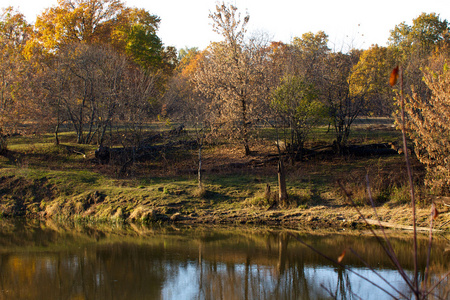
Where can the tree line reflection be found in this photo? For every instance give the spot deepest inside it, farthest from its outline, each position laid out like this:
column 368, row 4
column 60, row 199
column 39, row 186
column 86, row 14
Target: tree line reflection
column 41, row 261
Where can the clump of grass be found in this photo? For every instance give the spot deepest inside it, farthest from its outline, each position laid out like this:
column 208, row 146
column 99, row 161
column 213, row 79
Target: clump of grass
column 262, row 198
column 257, row 201
column 118, row 215
column 199, row 192
column 166, row 191
column 302, row 197
column 79, row 207
column 400, row 195
column 142, row 215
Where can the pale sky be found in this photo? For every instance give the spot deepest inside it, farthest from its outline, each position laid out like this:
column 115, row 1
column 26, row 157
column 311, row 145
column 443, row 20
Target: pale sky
column 347, row 22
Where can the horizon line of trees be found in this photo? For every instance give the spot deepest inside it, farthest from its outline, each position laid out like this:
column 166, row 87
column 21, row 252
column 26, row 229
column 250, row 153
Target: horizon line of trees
column 100, row 66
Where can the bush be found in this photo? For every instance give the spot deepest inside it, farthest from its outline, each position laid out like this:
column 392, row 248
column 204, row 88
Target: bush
column 428, row 125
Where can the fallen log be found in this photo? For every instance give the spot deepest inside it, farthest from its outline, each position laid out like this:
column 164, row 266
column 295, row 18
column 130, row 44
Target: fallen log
column 105, row 155
column 371, row 149
column 397, row 226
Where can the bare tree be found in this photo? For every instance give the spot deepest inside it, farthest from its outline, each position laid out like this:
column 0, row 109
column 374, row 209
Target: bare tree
column 344, row 106
column 231, row 75
column 139, row 103
column 94, row 86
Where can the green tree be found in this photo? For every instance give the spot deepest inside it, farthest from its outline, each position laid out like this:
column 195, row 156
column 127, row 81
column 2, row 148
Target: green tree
column 412, row 45
column 297, row 105
column 427, row 31
column 145, row 47
column 135, row 33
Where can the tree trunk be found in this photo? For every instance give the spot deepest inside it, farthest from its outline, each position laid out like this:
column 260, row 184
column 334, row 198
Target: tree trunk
column 56, row 133
column 282, row 184
column 244, row 123
column 267, row 193
column 247, row 149
column 199, row 176
column 58, row 120
column 293, row 145
column 3, row 144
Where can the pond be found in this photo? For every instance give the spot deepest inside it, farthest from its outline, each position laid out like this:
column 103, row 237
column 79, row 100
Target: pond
column 46, row 260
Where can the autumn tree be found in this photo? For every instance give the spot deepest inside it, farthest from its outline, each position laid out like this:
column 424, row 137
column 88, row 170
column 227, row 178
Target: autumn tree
column 73, row 21
column 231, row 74
column 427, row 31
column 304, row 56
column 182, row 102
column 345, row 96
column 138, row 104
column 14, row 33
column 278, row 59
column 421, row 50
column 309, row 55
column 77, row 75
column 368, row 77
column 131, row 31
column 412, row 45
column 101, row 56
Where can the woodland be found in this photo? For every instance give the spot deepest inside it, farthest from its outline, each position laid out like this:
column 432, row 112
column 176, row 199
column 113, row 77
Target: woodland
column 92, row 81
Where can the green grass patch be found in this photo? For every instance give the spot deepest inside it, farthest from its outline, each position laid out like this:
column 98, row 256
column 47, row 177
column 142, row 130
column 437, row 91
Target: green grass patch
column 73, row 183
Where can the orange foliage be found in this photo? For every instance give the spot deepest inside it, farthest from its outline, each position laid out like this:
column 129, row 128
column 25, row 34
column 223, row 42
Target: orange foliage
column 394, row 76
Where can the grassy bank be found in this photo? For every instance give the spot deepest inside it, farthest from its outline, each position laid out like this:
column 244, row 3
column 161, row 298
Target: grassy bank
column 42, row 180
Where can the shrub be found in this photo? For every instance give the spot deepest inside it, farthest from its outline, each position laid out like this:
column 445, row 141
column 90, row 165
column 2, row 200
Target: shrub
column 428, row 125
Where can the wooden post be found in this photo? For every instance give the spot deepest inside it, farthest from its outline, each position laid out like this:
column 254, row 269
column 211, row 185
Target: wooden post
column 267, row 192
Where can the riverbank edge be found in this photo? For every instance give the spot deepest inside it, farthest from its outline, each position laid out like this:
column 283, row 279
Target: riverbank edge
column 313, row 217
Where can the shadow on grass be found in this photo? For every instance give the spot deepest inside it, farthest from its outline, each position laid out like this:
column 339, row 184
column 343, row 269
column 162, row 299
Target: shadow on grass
column 216, row 196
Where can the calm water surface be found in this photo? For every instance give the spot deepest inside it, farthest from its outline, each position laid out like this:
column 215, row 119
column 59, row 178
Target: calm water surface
column 54, row 261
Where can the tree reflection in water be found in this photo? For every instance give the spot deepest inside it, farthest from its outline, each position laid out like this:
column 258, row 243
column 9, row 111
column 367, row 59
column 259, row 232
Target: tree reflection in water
column 44, row 261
